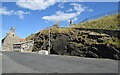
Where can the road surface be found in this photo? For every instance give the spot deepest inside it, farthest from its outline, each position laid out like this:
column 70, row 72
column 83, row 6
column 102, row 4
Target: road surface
column 0, row 61
column 14, row 62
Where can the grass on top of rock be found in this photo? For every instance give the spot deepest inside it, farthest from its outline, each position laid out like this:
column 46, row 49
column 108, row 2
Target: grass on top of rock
column 111, row 22
column 77, row 44
column 84, row 37
column 57, row 30
column 53, row 30
column 114, row 41
column 29, row 37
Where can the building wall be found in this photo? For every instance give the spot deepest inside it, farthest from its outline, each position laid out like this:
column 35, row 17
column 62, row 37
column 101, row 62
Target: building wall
column 24, row 46
column 9, row 40
column 17, row 47
column 27, row 46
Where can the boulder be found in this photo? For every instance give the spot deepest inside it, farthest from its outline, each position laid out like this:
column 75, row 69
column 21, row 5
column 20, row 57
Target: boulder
column 60, row 43
column 43, row 52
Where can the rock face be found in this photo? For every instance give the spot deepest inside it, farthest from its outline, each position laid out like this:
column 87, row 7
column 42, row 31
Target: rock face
column 77, row 43
column 60, row 43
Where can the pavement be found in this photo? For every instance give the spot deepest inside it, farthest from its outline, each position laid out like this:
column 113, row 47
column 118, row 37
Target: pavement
column 0, row 62
column 16, row 62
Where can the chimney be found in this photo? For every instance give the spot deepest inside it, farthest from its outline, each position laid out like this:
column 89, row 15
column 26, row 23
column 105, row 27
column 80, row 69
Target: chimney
column 12, row 29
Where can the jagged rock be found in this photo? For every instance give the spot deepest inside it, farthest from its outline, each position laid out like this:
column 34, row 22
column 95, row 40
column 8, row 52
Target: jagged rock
column 83, row 44
column 91, row 54
column 107, row 51
column 99, row 40
column 76, row 53
column 60, row 43
column 94, row 35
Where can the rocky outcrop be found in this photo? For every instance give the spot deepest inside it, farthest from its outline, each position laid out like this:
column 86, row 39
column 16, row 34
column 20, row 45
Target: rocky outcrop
column 77, row 43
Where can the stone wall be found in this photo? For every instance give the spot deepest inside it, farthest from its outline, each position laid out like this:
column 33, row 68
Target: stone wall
column 9, row 40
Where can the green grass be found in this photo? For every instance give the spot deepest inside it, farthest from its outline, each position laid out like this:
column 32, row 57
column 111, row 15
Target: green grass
column 107, row 22
column 114, row 41
column 57, row 30
column 77, row 44
column 111, row 22
column 29, row 37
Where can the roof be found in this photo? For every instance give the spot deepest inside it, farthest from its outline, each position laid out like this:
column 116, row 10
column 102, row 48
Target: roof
column 5, row 37
column 24, row 42
column 22, row 39
column 12, row 28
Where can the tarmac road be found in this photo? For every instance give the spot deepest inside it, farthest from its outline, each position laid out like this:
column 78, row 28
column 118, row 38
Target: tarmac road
column 14, row 62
